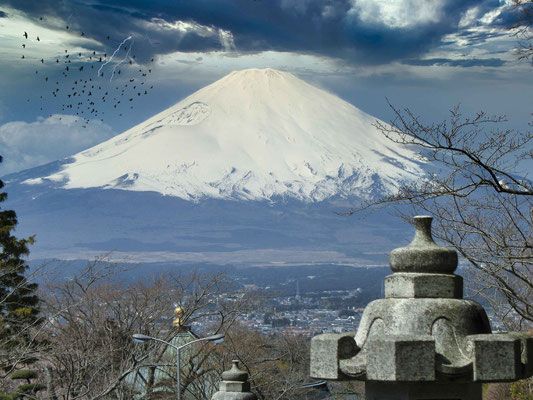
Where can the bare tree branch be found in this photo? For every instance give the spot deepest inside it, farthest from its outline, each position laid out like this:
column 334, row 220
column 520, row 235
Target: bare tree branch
column 482, row 203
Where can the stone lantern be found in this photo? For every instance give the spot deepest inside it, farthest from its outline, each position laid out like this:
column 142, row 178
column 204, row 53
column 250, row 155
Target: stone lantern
column 423, row 340
column 234, row 385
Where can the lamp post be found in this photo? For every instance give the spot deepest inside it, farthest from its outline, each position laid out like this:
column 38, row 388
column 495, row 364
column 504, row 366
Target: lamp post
column 139, row 338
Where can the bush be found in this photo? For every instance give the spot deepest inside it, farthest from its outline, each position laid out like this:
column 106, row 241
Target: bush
column 31, row 388
column 523, row 389
column 24, row 374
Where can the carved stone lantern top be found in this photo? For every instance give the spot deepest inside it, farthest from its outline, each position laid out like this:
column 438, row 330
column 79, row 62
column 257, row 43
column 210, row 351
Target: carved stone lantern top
column 423, row 254
column 235, row 373
column 423, row 336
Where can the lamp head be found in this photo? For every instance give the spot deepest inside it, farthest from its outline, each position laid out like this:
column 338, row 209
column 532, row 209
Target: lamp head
column 141, row 338
column 218, row 338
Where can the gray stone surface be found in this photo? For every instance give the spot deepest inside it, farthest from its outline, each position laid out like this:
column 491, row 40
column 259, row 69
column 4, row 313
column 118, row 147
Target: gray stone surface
column 417, row 316
column 417, row 285
column 233, row 396
column 327, row 350
column 496, row 357
column 401, row 358
column 235, row 373
column 450, row 359
column 526, row 355
column 423, row 254
column 355, row 367
column 232, row 386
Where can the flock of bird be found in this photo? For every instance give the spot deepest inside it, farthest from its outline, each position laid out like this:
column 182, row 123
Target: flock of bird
column 82, row 82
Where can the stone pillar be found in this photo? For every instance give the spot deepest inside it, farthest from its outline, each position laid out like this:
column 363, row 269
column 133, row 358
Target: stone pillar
column 234, row 385
column 423, row 341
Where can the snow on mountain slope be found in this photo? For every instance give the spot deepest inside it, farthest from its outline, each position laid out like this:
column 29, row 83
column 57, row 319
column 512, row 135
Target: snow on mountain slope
column 254, row 134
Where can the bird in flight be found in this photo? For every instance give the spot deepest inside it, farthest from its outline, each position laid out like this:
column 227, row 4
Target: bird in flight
column 92, row 96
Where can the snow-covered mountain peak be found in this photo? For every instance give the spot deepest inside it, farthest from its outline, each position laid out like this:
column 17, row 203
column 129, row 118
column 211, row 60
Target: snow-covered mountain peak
column 254, row 134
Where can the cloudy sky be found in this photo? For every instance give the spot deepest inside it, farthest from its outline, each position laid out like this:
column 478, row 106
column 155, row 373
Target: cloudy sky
column 428, row 55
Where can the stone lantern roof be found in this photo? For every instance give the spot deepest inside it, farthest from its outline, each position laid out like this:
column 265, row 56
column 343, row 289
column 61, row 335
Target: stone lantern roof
column 423, row 337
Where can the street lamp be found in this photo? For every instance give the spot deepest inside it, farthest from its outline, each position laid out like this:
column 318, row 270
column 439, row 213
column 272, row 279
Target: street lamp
column 139, row 338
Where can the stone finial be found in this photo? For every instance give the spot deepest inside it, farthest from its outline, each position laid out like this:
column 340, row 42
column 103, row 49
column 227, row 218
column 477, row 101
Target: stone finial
column 423, row 254
column 234, row 385
column 235, row 373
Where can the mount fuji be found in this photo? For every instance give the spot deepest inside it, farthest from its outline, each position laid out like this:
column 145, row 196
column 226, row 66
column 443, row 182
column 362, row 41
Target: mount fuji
column 245, row 170
column 252, row 135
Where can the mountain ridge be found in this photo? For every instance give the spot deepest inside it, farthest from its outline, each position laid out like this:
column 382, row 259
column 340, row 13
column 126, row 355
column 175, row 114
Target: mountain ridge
column 252, row 135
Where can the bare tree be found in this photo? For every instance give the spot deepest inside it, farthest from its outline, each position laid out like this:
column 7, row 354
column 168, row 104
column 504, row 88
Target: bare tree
column 523, row 28
column 277, row 364
column 90, row 353
column 482, row 203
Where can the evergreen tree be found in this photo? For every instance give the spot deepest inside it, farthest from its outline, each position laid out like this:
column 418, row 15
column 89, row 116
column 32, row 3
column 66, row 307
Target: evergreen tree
column 19, row 304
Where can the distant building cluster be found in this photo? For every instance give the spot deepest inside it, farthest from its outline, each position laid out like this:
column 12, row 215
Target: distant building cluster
column 301, row 314
column 308, row 314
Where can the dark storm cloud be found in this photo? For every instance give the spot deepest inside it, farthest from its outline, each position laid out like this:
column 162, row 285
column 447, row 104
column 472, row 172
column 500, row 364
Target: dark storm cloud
column 322, row 27
column 476, row 62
